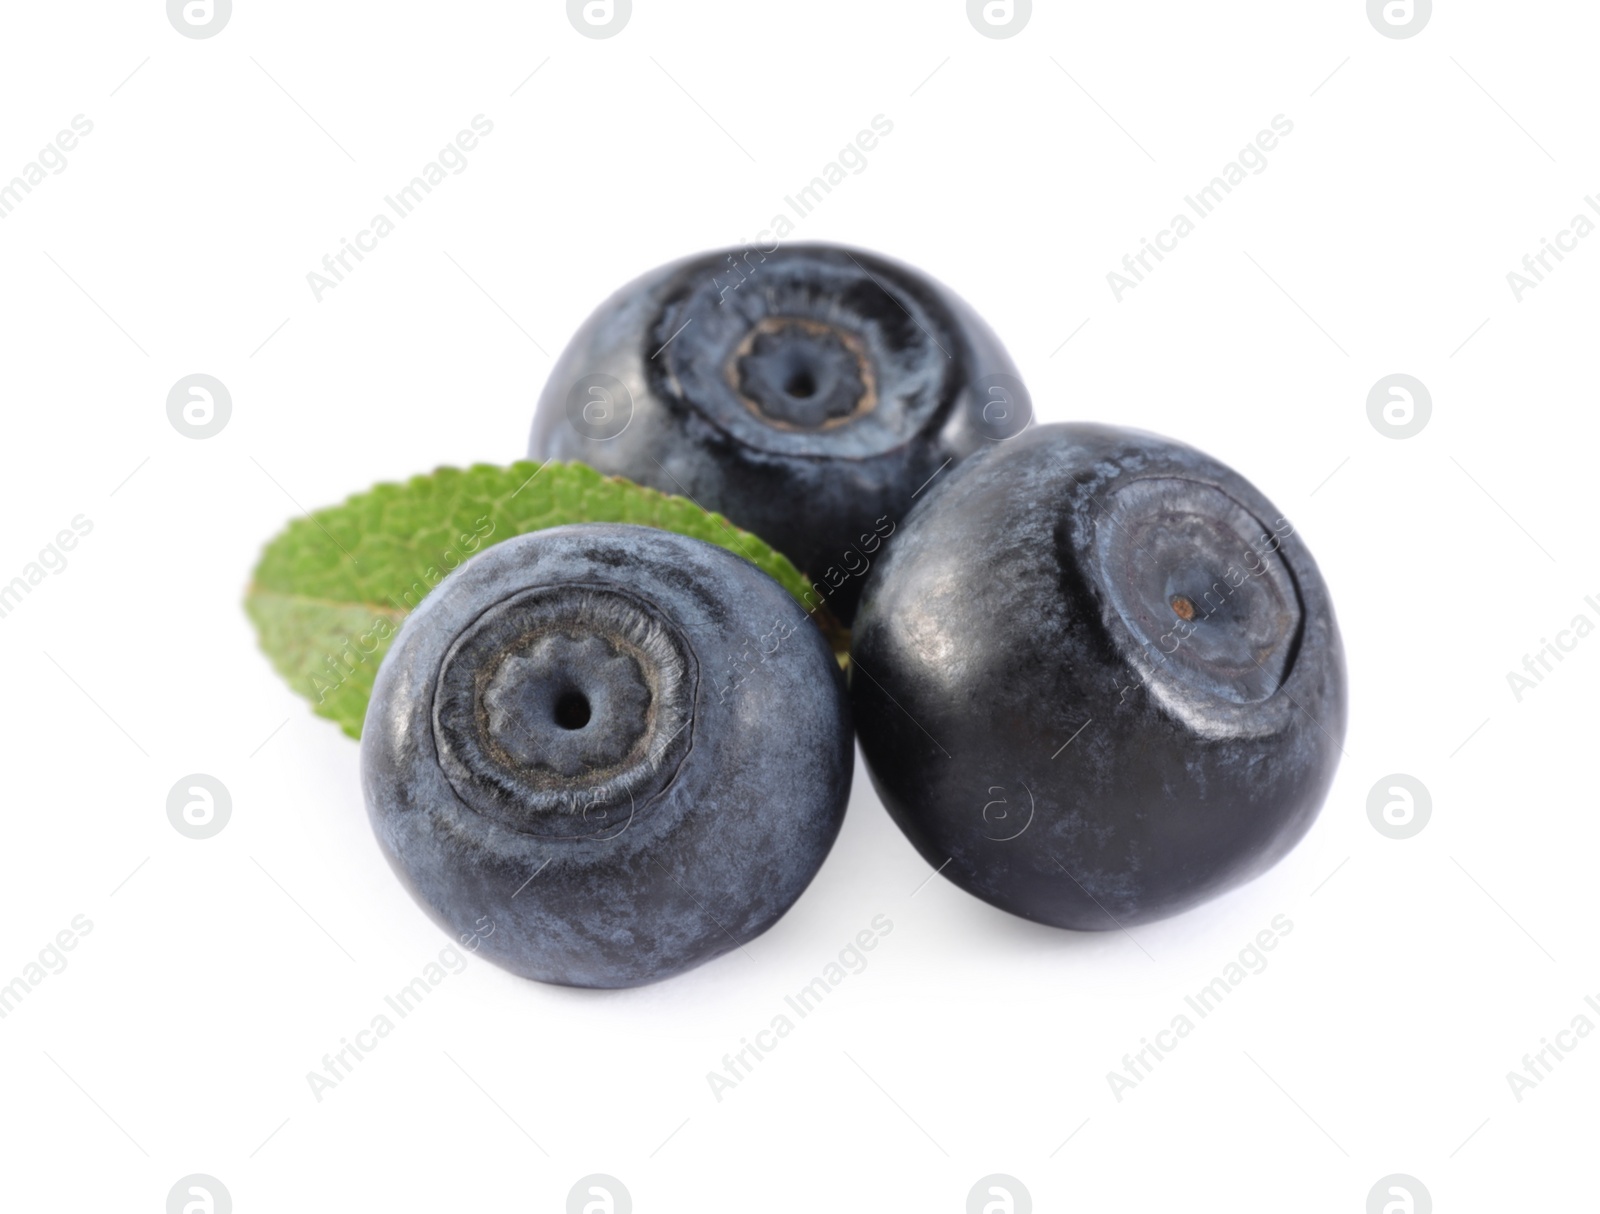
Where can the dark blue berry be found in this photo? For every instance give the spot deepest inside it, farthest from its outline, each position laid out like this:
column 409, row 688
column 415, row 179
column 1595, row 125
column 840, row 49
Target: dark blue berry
column 1097, row 678
column 624, row 750
column 807, row 393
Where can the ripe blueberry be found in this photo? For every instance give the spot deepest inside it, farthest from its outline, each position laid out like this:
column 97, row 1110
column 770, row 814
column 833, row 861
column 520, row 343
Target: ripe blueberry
column 1098, row 673
column 607, row 752
column 807, row 393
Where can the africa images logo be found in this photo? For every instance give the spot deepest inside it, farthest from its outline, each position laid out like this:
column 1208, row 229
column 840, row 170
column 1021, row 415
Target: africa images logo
column 599, row 1194
column 999, row 18
column 999, row 1194
column 599, row 18
column 199, row 18
column 1399, row 18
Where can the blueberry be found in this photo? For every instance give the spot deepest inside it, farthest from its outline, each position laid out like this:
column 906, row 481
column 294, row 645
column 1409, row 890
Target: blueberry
column 807, row 394
column 603, row 754
column 1097, row 678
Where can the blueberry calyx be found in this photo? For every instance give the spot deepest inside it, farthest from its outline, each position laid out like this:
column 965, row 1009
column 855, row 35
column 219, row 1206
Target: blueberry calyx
column 874, row 347
column 1197, row 580
column 569, row 704
column 564, row 702
column 802, row 375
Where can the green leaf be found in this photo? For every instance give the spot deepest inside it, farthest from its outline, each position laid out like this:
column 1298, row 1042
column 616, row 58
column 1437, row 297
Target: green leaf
column 332, row 588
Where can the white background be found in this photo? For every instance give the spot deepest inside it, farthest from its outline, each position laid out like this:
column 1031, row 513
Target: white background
column 1019, row 171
